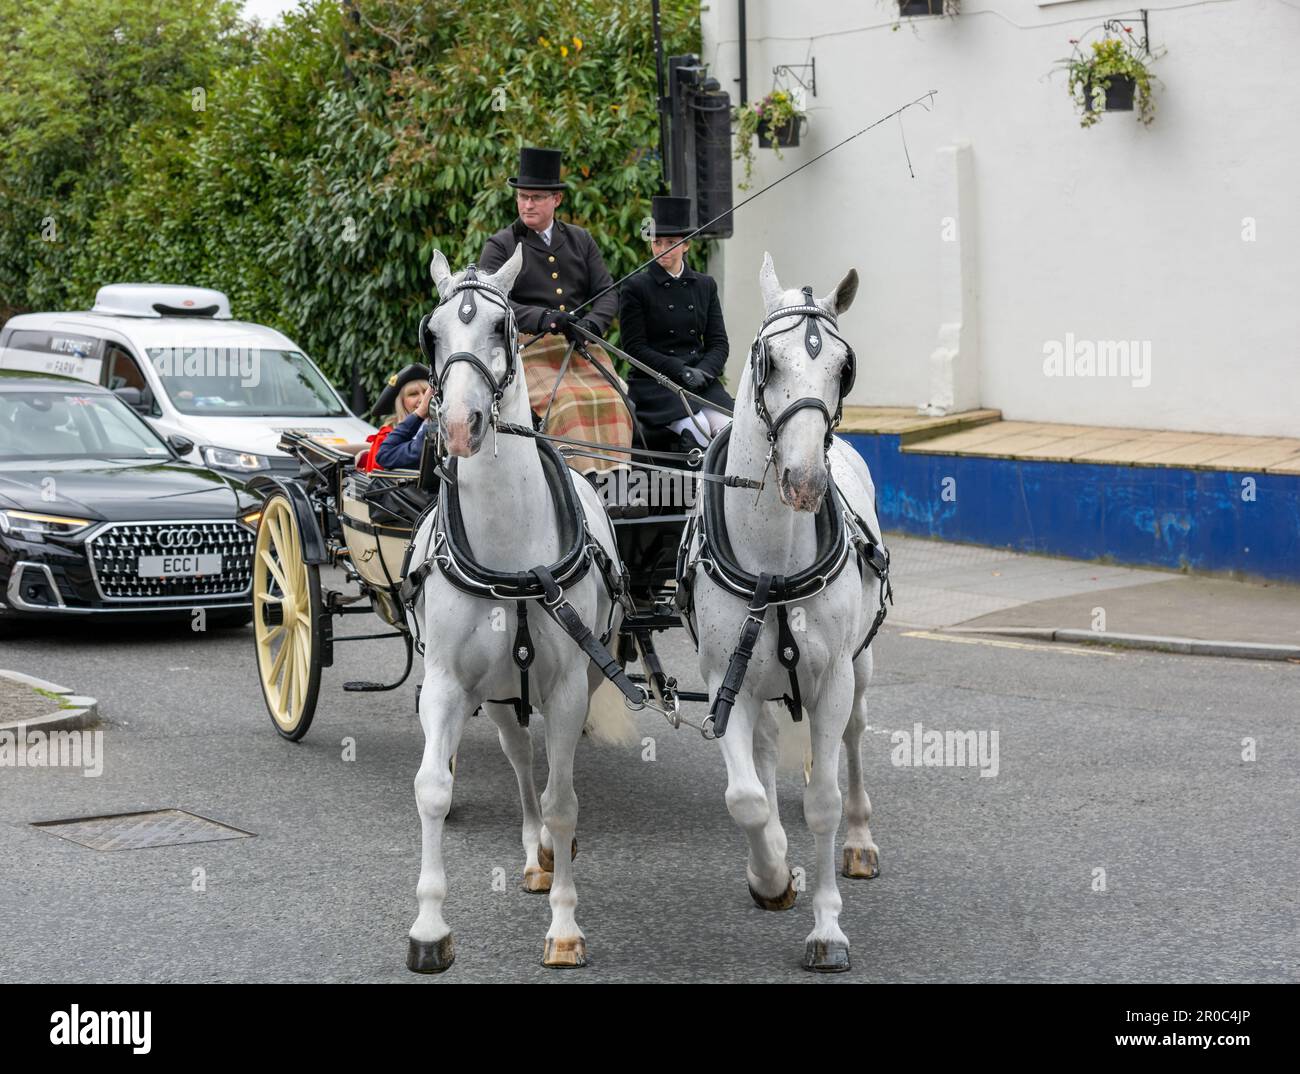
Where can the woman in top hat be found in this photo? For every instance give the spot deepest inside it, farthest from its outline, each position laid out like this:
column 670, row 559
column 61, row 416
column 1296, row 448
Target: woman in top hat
column 401, row 400
column 671, row 320
column 562, row 270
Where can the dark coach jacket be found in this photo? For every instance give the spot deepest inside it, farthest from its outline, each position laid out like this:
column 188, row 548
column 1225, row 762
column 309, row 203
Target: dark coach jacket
column 669, row 324
column 560, row 276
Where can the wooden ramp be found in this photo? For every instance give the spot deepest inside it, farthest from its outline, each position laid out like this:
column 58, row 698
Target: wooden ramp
column 1047, row 442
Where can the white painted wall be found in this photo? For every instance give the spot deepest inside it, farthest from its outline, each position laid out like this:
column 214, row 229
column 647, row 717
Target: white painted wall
column 1119, row 232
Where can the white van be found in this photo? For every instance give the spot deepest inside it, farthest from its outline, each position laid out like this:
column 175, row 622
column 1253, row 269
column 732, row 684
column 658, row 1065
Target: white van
column 175, row 355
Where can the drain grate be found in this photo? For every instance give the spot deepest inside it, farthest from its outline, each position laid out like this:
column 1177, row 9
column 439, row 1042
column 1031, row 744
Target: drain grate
column 137, row 831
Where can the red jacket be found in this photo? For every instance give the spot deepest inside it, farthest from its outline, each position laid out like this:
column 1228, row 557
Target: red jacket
column 368, row 460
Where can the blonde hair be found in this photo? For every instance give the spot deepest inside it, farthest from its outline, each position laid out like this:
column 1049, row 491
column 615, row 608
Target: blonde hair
column 400, row 413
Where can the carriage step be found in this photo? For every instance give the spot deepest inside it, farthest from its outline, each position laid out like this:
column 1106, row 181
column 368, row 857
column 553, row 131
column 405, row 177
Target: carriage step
column 363, row 687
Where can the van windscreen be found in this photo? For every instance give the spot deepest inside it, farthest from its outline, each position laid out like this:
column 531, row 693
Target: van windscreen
column 251, row 381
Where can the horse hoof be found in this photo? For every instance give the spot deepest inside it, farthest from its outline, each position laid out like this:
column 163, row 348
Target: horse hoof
column 566, row 954
column 424, row 956
column 861, row 863
column 781, row 902
column 826, row 956
column 546, row 858
column 537, row 881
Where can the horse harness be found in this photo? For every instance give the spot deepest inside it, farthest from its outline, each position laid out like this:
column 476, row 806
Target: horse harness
column 816, row 323
column 450, row 548
column 840, row 530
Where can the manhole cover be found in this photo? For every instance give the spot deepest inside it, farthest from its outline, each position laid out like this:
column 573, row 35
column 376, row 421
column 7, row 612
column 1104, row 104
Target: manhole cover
column 136, row 831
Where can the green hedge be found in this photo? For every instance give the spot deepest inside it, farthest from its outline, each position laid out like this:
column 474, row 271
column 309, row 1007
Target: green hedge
column 310, row 170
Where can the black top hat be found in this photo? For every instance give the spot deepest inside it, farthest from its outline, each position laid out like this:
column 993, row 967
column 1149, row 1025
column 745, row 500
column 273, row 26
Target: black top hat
column 672, row 216
column 387, row 401
column 539, row 169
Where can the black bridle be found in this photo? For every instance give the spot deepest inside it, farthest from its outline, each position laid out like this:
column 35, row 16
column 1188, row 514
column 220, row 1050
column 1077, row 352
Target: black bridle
column 816, row 323
column 470, row 286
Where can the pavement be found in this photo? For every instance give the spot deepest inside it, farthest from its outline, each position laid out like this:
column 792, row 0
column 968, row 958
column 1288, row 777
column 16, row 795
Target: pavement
column 964, row 588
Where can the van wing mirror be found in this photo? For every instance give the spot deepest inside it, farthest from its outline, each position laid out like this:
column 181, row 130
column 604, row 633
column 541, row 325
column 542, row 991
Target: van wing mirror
column 130, row 396
column 182, row 445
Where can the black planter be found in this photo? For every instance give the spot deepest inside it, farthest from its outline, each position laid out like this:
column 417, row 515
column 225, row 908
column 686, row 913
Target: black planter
column 786, row 136
column 909, row 8
column 1119, row 94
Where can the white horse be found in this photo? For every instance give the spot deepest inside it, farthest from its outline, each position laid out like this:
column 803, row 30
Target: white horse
column 780, row 436
column 511, row 522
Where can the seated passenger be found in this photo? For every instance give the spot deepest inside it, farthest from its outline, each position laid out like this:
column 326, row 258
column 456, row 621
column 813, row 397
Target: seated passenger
column 400, row 400
column 671, row 320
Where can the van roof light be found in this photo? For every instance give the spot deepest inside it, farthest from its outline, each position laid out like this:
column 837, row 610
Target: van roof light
column 161, row 300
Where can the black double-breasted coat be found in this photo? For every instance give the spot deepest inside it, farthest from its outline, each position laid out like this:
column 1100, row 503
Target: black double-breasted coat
column 670, row 324
column 560, row 276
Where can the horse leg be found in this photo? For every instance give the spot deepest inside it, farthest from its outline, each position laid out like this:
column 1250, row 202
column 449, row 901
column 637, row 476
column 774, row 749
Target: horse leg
column 767, row 749
column 566, row 713
column 826, row 949
column 517, row 745
column 771, row 884
column 861, row 855
column 444, row 708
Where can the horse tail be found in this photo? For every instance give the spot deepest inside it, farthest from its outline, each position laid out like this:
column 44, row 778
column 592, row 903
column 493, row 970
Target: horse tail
column 794, row 747
column 609, row 721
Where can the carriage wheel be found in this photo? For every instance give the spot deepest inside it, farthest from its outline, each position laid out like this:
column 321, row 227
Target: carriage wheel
column 286, row 619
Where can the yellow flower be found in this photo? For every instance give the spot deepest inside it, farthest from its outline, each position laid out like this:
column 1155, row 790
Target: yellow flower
column 543, row 42
column 577, row 42
column 564, row 50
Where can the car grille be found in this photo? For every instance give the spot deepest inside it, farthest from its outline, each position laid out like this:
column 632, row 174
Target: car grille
column 115, row 552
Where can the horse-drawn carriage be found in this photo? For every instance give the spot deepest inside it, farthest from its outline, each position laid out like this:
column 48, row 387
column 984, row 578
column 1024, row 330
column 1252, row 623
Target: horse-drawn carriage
column 333, row 515
column 786, row 509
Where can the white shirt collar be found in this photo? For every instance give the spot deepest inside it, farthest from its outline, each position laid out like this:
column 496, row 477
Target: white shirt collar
column 678, row 274
column 546, row 235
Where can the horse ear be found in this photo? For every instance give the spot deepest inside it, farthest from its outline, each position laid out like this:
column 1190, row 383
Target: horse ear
column 505, row 276
column 769, row 284
column 440, row 271
column 842, row 297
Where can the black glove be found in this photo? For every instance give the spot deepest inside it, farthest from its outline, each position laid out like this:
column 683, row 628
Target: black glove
column 692, row 378
column 575, row 336
column 556, row 322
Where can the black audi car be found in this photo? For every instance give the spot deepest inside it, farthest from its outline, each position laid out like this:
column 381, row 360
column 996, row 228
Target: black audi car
column 101, row 517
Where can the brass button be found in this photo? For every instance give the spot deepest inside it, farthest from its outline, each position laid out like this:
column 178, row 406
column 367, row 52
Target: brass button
column 561, row 307
column 555, row 275
column 559, row 290
column 551, row 258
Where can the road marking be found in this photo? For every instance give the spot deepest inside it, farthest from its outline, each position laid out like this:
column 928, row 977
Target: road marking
column 1050, row 647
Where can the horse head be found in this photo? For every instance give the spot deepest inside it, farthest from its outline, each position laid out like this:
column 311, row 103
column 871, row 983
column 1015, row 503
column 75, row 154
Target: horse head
column 800, row 369
column 470, row 342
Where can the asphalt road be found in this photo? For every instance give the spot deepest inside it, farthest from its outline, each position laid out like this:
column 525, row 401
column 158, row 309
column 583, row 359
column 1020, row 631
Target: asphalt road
column 1126, row 762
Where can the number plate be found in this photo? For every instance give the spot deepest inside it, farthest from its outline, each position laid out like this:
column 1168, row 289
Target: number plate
column 178, row 566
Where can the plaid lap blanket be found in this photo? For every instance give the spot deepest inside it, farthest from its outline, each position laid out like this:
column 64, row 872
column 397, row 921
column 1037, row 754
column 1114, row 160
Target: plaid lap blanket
column 585, row 407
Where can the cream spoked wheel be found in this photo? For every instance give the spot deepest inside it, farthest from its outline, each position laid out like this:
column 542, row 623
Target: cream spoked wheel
column 286, row 619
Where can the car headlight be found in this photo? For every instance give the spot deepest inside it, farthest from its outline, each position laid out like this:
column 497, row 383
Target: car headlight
column 221, row 458
column 33, row 526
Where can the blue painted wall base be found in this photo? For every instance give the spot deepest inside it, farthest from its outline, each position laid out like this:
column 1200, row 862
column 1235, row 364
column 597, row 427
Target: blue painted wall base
column 1209, row 522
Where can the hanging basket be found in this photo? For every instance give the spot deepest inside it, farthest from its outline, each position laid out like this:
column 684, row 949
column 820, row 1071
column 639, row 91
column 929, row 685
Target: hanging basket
column 785, row 136
column 1118, row 94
